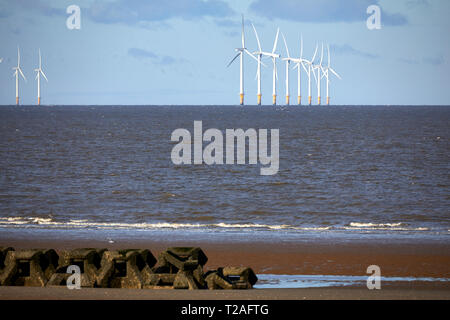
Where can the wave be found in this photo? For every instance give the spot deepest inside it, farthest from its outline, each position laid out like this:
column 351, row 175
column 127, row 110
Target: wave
column 382, row 226
column 39, row 222
column 83, row 223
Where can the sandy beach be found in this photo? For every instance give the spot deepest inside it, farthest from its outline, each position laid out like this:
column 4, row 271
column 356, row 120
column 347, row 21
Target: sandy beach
column 398, row 292
column 395, row 259
column 430, row 260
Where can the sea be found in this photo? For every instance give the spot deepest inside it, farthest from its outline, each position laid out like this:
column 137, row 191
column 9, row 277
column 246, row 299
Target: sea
column 345, row 172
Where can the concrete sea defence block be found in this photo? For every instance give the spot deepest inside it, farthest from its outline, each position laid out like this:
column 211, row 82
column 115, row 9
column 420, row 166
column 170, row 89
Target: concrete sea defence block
column 87, row 259
column 32, row 267
column 176, row 268
column 129, row 268
column 3, row 252
column 231, row 278
column 181, row 258
column 186, row 262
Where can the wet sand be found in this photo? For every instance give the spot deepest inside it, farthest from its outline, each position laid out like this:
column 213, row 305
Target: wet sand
column 397, row 292
column 315, row 258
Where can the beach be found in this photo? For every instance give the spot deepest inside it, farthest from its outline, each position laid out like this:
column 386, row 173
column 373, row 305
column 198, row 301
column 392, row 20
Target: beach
column 390, row 293
column 315, row 258
column 409, row 260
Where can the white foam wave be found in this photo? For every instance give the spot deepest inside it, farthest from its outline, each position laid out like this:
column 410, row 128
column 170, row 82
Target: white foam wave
column 312, row 228
column 87, row 224
column 374, row 225
column 398, row 226
column 83, row 223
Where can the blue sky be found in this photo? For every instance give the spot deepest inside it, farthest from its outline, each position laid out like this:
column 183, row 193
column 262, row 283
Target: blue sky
column 176, row 52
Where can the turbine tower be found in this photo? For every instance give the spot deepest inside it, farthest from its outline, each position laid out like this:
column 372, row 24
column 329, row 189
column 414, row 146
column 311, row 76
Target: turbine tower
column 16, row 74
column 241, row 55
column 308, row 70
column 319, row 76
column 274, row 56
column 326, row 73
column 38, row 77
column 288, row 61
column 300, row 63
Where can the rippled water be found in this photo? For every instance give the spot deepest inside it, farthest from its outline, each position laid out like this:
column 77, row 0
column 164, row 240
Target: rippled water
column 355, row 169
column 270, row 281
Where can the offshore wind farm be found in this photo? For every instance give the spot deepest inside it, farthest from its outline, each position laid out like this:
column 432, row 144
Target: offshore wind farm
column 310, row 67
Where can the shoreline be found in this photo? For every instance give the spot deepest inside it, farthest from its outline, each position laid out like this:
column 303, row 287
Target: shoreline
column 396, row 259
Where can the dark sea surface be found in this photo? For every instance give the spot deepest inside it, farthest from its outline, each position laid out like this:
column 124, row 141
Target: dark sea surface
column 356, row 171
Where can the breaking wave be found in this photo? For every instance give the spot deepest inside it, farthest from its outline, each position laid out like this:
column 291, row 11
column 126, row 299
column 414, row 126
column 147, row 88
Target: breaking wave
column 39, row 222
column 382, row 226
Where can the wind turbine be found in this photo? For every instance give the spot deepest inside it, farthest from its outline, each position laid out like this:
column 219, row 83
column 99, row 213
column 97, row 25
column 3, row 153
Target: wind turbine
column 327, row 74
column 299, row 64
column 288, row 61
column 38, row 77
column 16, row 74
column 241, row 55
column 319, row 76
column 273, row 55
column 1, row 59
column 308, row 70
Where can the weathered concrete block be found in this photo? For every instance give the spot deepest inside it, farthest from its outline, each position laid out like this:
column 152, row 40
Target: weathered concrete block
column 244, row 275
column 88, row 259
column 189, row 280
column 31, row 267
column 4, row 272
column 160, row 280
column 3, row 252
column 129, row 268
column 180, row 258
column 231, row 278
column 187, row 263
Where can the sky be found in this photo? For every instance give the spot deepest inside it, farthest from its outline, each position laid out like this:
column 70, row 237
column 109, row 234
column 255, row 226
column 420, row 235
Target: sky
column 151, row 52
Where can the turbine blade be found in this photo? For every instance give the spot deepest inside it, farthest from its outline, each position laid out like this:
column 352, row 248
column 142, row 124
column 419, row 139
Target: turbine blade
column 321, row 56
column 18, row 57
column 306, row 70
column 250, row 54
column 233, row 59
column 23, row 76
column 40, row 61
column 285, row 44
column 314, row 74
column 257, row 38
column 329, row 60
column 262, row 63
column 301, row 46
column 315, row 52
column 243, row 38
column 44, row 75
column 335, row 73
column 276, row 41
